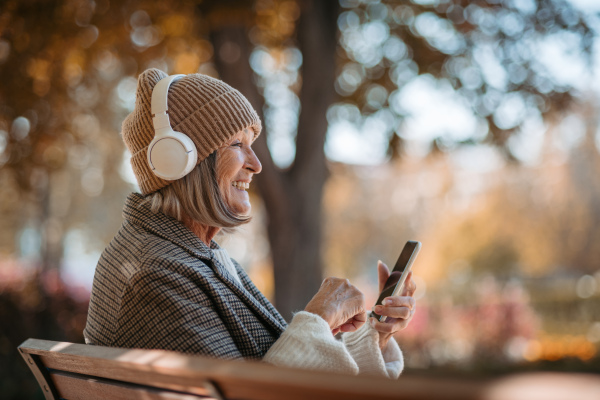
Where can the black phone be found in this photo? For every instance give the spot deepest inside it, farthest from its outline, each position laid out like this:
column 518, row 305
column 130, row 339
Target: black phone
column 394, row 284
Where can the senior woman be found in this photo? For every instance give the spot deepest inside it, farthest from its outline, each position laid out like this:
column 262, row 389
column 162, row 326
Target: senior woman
column 164, row 283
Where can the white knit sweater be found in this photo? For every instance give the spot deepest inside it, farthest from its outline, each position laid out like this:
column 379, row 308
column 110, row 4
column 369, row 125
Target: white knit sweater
column 308, row 343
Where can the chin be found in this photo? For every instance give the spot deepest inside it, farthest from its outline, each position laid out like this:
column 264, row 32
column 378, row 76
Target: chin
column 238, row 204
column 245, row 211
column 240, row 209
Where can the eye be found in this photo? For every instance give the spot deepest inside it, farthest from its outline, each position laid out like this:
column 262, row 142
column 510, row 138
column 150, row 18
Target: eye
column 238, row 144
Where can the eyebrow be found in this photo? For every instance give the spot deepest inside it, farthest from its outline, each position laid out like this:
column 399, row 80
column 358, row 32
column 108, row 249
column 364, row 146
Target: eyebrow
column 247, row 132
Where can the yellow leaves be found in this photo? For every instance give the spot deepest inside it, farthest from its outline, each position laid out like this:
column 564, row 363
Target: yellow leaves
column 87, row 36
column 188, row 56
column 176, row 25
column 289, row 10
column 187, row 63
column 39, row 70
column 54, row 156
column 73, row 67
column 275, row 21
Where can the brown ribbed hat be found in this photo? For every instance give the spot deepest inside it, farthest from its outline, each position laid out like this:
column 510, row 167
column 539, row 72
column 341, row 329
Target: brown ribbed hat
column 206, row 109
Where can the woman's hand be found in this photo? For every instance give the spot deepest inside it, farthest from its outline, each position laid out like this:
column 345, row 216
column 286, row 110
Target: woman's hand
column 399, row 310
column 340, row 304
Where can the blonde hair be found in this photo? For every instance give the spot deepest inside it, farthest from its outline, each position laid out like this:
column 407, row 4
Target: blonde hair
column 197, row 196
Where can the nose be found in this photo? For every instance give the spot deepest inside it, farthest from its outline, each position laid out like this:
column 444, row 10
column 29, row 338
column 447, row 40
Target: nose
column 252, row 162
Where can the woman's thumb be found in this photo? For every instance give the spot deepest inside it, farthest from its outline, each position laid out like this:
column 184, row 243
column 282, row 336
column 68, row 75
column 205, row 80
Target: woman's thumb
column 383, row 272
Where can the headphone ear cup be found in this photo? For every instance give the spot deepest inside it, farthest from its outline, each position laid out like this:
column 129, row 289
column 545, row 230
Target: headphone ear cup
column 172, row 155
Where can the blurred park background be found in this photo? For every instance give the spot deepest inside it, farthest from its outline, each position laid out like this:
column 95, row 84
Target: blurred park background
column 471, row 126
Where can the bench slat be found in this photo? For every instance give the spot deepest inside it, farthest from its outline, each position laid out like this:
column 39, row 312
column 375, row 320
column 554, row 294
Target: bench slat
column 95, row 372
column 163, row 372
column 237, row 379
column 70, row 386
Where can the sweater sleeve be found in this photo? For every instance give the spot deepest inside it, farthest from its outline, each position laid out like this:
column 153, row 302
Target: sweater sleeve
column 363, row 345
column 394, row 359
column 308, row 343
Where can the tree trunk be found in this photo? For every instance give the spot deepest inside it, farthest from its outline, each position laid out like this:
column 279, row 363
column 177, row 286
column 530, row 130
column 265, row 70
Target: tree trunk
column 292, row 197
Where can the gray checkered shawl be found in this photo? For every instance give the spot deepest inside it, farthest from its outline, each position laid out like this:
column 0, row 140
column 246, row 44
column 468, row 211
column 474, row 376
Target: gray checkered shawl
column 157, row 286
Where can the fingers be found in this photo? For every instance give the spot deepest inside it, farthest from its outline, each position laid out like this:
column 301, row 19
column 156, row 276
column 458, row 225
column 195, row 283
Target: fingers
column 394, row 312
column 409, row 286
column 391, row 326
column 361, row 317
column 350, row 327
column 338, row 301
column 383, row 272
column 354, row 323
column 399, row 301
column 399, row 310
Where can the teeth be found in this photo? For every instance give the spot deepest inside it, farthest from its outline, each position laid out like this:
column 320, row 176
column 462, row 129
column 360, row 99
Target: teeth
column 241, row 185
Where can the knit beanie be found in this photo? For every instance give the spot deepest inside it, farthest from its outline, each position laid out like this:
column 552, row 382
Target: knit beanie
column 206, row 109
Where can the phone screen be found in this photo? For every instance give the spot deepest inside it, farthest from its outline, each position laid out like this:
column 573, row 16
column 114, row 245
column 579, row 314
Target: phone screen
column 395, row 282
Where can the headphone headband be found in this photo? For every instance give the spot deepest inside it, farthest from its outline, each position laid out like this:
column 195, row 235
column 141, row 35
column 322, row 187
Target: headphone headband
column 160, row 95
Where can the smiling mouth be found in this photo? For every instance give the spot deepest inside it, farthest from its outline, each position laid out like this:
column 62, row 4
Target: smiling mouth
column 240, row 185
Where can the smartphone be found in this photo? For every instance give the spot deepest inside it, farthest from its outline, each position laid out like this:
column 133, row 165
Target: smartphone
column 394, row 284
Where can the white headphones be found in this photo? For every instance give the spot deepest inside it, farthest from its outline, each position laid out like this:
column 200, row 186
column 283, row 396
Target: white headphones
column 171, row 155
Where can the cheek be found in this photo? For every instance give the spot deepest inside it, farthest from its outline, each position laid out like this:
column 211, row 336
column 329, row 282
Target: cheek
column 224, row 168
column 228, row 165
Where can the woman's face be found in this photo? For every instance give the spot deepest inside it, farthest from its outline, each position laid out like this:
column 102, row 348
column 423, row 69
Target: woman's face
column 236, row 164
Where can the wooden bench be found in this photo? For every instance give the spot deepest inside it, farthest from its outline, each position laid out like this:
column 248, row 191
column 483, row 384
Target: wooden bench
column 76, row 371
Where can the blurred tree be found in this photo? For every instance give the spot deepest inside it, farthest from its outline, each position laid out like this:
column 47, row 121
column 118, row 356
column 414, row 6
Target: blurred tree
column 483, row 48
column 61, row 60
column 61, row 153
column 293, row 196
column 488, row 50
